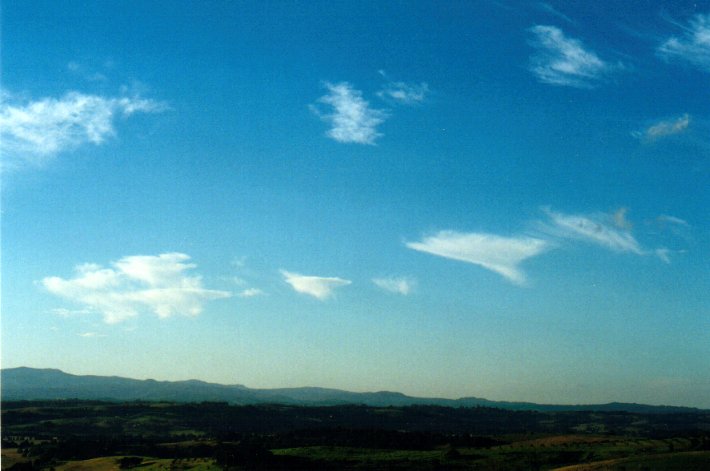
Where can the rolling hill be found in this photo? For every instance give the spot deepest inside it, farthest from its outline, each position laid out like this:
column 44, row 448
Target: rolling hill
column 31, row 384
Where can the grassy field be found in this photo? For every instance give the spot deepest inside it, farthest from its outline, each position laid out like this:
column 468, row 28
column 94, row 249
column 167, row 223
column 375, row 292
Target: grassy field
column 553, row 452
column 682, row 461
column 559, row 452
column 10, row 457
column 111, row 463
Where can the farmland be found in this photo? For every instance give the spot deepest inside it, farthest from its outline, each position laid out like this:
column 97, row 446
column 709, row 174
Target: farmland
column 78, row 435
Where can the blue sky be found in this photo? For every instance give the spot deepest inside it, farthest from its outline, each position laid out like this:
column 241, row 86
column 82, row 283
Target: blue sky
column 496, row 199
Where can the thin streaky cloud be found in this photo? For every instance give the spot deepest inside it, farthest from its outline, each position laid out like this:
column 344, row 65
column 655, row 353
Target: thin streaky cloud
column 599, row 229
column 320, row 287
column 404, row 93
column 90, row 334
column 563, row 61
column 664, row 128
column 502, row 255
column 693, row 46
column 36, row 130
column 676, row 226
column 663, row 254
column 665, row 218
column 397, row 285
column 546, row 7
column 152, row 283
column 352, row 119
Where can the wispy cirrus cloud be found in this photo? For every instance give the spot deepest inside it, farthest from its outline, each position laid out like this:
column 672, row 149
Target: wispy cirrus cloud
column 397, row 285
column 664, row 128
column 35, row 130
column 667, row 219
column 547, row 8
column 560, row 60
column 250, row 293
column 693, row 46
column 154, row 283
column 664, row 254
column 502, row 255
column 85, row 72
column 404, row 93
column 679, row 228
column 352, row 119
column 319, row 287
column 610, row 231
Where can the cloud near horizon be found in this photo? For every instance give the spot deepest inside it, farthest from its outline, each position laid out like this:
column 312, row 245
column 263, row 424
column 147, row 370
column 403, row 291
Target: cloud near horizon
column 320, row 287
column 36, row 130
column 154, row 283
column 563, row 61
column 502, row 255
column 693, row 46
column 352, row 119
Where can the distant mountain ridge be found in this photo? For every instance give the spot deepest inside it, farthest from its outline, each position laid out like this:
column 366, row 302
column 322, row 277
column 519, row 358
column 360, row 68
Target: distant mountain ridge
column 32, row 384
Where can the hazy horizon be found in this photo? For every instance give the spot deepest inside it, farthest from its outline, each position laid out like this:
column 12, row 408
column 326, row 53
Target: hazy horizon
column 312, row 386
column 496, row 199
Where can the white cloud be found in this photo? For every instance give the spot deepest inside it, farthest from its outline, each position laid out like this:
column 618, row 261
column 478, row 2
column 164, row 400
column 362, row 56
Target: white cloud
column 598, row 229
column 156, row 283
column 352, row 119
column 664, row 128
column 317, row 286
column 499, row 254
column 402, row 286
column 250, row 293
column 404, row 93
column 90, row 334
column 693, row 46
column 43, row 128
column 564, row 61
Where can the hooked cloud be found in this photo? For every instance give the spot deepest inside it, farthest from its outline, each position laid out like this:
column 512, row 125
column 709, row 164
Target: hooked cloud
column 319, row 287
column 610, row 231
column 352, row 119
column 502, row 255
column 154, row 283
column 560, row 60
column 401, row 286
column 693, row 46
column 35, row 130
